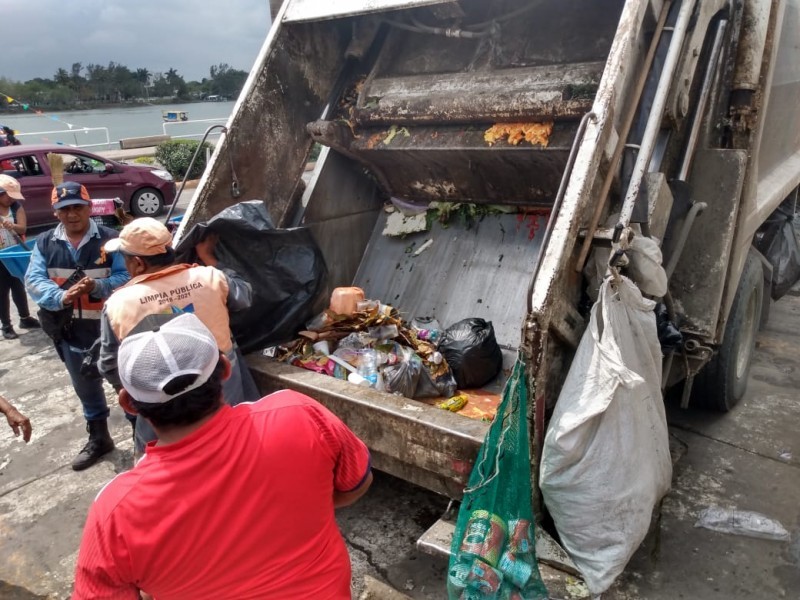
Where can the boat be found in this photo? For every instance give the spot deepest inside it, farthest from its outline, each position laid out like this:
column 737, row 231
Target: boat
column 172, row 116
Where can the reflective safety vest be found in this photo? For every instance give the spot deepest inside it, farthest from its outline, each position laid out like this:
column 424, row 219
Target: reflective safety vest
column 176, row 289
column 91, row 260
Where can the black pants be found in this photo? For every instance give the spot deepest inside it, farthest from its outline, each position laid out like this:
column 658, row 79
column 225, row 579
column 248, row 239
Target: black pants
column 10, row 285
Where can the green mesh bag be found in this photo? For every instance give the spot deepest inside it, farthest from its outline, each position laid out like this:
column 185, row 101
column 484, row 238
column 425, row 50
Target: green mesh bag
column 492, row 556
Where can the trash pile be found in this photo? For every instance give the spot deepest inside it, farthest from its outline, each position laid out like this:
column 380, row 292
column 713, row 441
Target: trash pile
column 367, row 343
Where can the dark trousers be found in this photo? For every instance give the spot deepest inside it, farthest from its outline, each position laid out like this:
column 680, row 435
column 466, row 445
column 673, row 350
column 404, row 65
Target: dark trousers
column 11, row 286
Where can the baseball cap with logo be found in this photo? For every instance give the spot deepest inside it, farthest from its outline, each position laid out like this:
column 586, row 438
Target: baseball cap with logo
column 141, row 237
column 69, row 193
column 150, row 360
column 10, row 186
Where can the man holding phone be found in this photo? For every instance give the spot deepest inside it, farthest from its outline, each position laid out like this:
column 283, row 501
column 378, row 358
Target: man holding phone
column 69, row 277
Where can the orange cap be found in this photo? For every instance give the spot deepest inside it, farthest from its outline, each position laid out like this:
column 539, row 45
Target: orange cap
column 141, row 237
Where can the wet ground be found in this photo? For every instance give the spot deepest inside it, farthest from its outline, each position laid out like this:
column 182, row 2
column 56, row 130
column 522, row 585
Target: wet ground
column 748, row 459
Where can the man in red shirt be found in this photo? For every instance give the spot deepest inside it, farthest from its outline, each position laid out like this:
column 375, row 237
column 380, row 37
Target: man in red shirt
column 229, row 502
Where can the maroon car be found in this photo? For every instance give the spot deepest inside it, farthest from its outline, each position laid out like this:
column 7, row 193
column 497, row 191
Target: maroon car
column 144, row 190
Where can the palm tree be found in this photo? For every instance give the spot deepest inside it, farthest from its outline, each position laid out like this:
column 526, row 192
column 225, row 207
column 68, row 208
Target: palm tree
column 143, row 77
column 61, row 77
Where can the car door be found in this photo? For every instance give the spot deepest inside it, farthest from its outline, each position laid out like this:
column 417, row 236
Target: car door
column 35, row 184
column 89, row 170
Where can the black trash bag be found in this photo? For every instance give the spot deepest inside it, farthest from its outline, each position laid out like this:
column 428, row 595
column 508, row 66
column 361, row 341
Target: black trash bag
column 472, row 352
column 403, row 377
column 285, row 267
column 433, row 387
column 669, row 336
column 777, row 241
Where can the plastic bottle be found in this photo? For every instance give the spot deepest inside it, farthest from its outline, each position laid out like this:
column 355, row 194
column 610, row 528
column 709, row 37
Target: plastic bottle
column 368, row 368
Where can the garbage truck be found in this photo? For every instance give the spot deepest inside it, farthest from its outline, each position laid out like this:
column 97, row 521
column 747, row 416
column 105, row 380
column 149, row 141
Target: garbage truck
column 535, row 134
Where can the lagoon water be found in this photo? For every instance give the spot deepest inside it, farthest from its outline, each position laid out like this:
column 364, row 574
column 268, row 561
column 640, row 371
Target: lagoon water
column 135, row 121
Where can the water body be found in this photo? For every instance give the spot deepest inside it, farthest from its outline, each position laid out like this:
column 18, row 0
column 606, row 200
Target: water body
column 135, row 121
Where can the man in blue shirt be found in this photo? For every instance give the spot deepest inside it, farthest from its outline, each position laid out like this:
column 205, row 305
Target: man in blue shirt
column 69, row 277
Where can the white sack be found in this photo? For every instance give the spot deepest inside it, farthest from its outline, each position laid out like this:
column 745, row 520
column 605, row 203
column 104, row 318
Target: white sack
column 645, row 266
column 606, row 463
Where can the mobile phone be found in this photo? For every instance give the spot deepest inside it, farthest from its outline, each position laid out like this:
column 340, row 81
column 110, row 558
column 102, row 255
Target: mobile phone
column 76, row 276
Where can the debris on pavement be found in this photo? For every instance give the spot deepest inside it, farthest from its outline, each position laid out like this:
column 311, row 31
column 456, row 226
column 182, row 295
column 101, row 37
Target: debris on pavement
column 742, row 522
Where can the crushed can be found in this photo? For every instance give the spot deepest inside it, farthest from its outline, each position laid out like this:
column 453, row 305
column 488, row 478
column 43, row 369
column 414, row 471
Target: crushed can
column 520, row 539
column 515, row 569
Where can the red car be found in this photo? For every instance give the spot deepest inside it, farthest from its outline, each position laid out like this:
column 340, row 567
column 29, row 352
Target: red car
column 144, row 190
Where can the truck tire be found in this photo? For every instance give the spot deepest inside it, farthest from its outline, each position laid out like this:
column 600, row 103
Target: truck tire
column 723, row 381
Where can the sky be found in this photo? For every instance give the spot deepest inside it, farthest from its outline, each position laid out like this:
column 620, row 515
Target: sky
column 39, row 36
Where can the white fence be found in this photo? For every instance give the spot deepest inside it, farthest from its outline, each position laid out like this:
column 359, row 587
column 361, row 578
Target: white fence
column 69, row 133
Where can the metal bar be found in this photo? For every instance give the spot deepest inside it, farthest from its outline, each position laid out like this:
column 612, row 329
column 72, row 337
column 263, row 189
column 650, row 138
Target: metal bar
column 624, row 132
column 562, row 189
column 702, row 101
column 165, row 123
column 189, row 170
column 657, row 111
column 694, row 211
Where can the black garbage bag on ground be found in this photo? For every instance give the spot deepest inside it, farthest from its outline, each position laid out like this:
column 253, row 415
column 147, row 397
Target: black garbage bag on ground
column 472, row 352
column 285, row 267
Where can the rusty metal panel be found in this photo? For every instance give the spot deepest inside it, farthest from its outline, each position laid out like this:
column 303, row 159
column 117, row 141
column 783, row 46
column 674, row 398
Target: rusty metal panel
column 533, row 93
column 699, row 280
column 659, row 203
column 455, row 164
column 481, row 272
column 311, row 10
column 267, row 144
column 417, row 442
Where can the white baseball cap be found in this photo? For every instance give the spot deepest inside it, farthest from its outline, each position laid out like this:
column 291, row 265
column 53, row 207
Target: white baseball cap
column 150, row 360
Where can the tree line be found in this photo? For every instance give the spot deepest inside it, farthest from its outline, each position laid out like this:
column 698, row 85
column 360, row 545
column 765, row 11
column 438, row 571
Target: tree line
column 94, row 85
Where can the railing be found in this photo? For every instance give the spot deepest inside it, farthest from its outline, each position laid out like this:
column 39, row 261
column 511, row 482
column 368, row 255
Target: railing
column 74, row 133
column 191, row 135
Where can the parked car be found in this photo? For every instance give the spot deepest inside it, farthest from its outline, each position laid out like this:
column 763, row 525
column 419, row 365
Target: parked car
column 144, row 190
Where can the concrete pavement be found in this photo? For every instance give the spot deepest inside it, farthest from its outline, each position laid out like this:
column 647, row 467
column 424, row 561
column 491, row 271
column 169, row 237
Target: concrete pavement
column 749, row 459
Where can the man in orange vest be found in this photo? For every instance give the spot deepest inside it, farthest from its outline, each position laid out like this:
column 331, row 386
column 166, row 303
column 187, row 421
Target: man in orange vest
column 159, row 287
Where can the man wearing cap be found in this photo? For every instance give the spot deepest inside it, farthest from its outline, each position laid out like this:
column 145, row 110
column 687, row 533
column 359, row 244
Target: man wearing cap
column 69, row 277
column 230, row 502
column 160, row 287
column 13, row 224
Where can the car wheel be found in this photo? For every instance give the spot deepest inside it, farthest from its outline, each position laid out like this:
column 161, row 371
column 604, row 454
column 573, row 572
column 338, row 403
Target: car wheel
column 147, row 202
column 723, row 381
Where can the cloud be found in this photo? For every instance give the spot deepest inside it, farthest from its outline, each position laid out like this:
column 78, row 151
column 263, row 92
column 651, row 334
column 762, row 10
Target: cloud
column 40, row 36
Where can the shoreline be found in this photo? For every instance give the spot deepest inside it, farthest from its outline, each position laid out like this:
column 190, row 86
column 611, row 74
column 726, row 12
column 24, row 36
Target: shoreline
column 18, row 111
